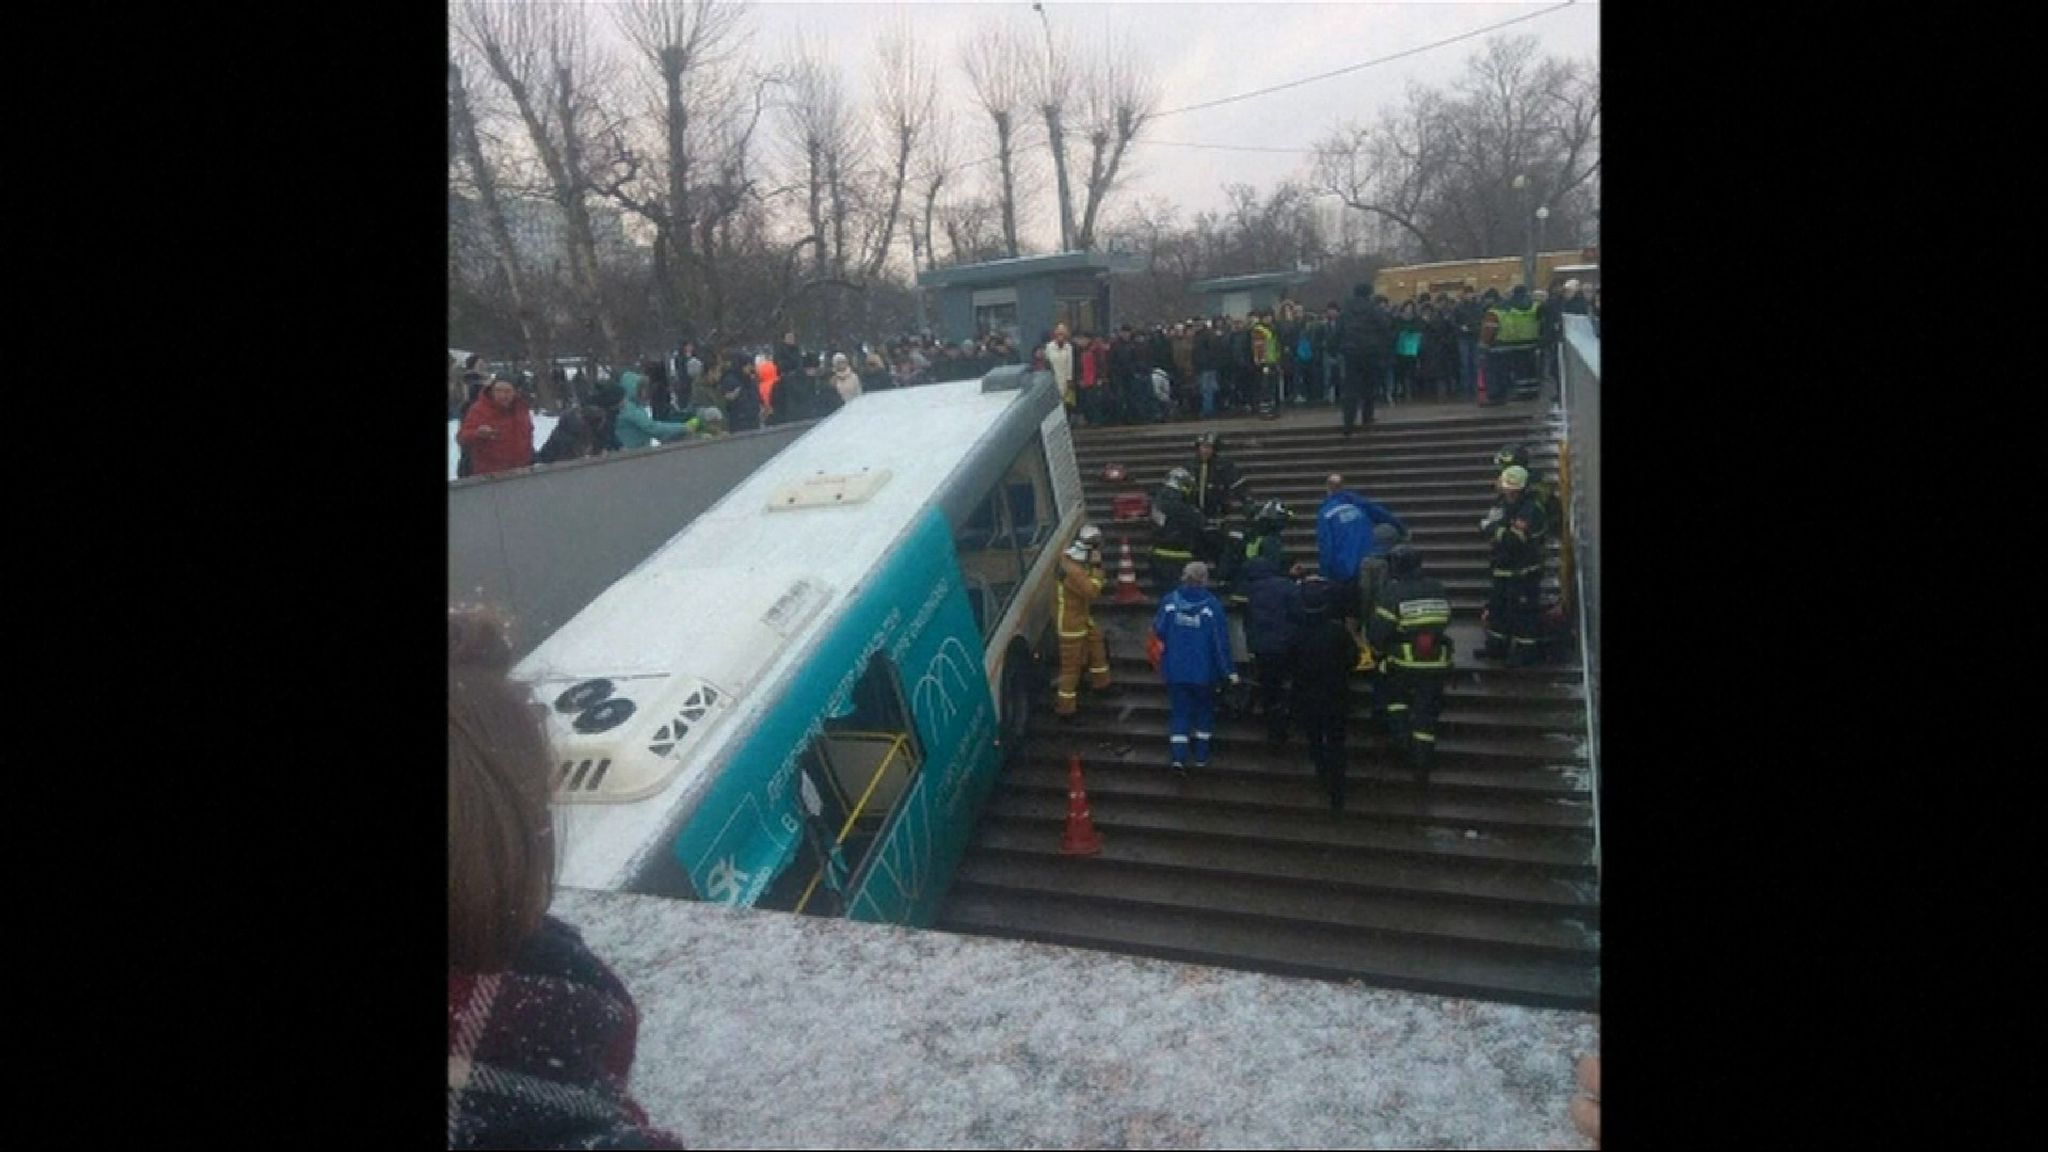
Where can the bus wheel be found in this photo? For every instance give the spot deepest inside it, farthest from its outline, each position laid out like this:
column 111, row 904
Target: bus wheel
column 1016, row 723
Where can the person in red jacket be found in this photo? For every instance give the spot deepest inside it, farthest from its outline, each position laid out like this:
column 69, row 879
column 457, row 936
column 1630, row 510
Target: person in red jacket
column 498, row 431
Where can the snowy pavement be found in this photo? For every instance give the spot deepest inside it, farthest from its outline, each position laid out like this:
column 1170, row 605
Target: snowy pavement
column 764, row 1030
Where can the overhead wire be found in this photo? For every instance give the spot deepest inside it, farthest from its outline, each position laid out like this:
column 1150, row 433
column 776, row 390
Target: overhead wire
column 1481, row 31
column 1462, row 36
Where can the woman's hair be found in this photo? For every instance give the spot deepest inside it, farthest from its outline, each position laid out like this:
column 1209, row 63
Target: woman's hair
column 501, row 847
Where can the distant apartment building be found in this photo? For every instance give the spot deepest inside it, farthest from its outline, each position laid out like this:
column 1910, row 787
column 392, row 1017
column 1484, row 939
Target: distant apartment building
column 539, row 235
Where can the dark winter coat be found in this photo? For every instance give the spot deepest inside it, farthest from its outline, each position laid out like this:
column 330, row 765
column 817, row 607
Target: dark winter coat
column 1410, row 622
column 742, row 400
column 581, row 432
column 1368, row 337
column 1178, row 526
column 1324, row 657
column 539, row 1055
column 1219, row 487
column 1272, row 608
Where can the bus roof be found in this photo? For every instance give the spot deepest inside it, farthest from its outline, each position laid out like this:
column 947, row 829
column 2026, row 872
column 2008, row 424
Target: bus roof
column 739, row 597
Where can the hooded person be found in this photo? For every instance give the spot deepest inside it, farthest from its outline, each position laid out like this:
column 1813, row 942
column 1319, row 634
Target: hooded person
column 633, row 425
column 1323, row 658
column 844, row 379
column 1194, row 659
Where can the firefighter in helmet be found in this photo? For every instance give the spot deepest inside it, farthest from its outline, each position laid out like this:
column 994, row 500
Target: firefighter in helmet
column 1542, row 491
column 1409, row 633
column 1177, row 529
column 1080, row 584
column 1516, row 531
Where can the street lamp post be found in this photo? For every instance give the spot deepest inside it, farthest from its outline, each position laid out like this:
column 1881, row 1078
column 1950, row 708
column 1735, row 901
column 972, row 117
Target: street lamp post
column 1542, row 214
column 1521, row 187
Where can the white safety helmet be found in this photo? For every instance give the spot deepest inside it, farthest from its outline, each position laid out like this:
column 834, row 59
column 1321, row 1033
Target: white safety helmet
column 1090, row 535
column 1077, row 552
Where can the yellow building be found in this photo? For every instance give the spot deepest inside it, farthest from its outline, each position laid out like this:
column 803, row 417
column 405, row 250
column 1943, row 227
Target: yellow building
column 1501, row 273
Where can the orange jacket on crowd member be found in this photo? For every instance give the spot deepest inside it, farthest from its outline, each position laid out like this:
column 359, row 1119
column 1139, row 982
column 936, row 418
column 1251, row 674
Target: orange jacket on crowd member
column 497, row 430
column 768, row 378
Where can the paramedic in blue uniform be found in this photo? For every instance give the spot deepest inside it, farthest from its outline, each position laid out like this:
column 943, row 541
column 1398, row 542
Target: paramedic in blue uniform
column 1196, row 658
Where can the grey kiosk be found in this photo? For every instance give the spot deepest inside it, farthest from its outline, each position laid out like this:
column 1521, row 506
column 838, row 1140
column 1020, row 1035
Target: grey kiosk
column 1242, row 295
column 1023, row 297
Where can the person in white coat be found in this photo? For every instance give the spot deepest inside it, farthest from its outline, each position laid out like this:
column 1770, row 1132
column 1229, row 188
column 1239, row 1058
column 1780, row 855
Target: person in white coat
column 1059, row 356
column 844, row 378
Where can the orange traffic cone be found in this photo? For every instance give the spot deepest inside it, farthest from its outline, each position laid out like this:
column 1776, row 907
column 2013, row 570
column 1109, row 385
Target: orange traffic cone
column 1126, row 578
column 1081, row 839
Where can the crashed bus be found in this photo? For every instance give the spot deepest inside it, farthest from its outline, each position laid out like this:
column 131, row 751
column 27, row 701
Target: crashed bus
column 801, row 701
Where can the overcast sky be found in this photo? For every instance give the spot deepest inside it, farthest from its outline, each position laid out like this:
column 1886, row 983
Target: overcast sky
column 1198, row 52
column 1201, row 51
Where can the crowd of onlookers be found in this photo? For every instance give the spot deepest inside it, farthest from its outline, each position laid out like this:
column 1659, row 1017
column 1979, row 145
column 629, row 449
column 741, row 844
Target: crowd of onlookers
column 1232, row 366
column 1432, row 346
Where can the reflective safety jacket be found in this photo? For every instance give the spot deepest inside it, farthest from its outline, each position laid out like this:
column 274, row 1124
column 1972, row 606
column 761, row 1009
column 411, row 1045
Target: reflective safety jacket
column 1515, row 326
column 1078, row 587
column 1517, row 535
column 1409, row 625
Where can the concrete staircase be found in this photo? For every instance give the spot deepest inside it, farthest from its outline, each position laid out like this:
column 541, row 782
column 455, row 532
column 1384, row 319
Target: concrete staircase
column 1484, row 885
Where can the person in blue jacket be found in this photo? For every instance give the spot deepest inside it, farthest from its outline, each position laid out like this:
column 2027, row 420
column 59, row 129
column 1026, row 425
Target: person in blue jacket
column 633, row 425
column 1344, row 536
column 1195, row 659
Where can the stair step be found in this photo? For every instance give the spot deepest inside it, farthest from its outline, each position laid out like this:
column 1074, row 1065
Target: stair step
column 1209, row 894
column 1560, row 854
column 1458, row 883
column 1297, row 949
column 1109, row 779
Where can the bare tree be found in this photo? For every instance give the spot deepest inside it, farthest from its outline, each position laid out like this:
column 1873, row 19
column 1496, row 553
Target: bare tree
column 1443, row 167
column 993, row 56
column 906, row 99
column 680, row 41
column 539, row 54
column 938, row 159
column 467, row 147
column 1049, row 82
column 1390, row 172
column 1119, row 98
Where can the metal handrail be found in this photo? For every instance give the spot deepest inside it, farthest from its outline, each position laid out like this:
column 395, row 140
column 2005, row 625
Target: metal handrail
column 897, row 743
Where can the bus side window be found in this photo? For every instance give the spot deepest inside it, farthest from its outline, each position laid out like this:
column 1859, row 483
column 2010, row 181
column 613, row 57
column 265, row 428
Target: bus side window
column 988, row 562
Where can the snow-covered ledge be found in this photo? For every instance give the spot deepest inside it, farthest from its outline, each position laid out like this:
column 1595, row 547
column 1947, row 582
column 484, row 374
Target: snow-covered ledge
column 764, row 1030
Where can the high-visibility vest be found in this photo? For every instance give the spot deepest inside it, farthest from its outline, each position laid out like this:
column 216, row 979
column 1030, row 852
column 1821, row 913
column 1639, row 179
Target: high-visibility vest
column 1516, row 327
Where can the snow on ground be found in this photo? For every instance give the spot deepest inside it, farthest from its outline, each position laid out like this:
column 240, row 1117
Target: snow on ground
column 764, row 1030
column 543, row 427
